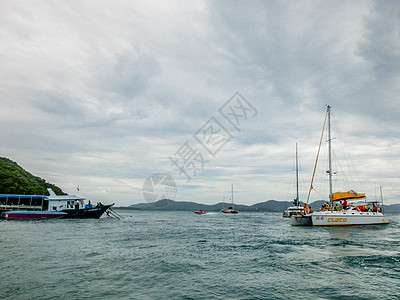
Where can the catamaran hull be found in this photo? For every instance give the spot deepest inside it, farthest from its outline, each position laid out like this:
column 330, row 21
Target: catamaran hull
column 300, row 220
column 293, row 210
column 346, row 219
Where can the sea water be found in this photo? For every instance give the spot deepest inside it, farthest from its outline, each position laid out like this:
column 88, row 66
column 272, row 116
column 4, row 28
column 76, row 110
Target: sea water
column 181, row 255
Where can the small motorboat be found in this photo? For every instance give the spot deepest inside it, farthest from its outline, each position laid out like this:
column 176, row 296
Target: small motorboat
column 31, row 215
column 200, row 212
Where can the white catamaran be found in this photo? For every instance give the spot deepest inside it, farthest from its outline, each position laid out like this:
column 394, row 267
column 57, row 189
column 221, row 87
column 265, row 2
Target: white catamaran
column 344, row 208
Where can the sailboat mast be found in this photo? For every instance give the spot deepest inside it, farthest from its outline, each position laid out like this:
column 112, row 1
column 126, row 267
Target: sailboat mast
column 232, row 194
column 297, row 178
column 316, row 160
column 330, row 151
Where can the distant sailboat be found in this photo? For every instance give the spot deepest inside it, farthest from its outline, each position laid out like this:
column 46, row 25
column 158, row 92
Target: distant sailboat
column 230, row 209
column 296, row 208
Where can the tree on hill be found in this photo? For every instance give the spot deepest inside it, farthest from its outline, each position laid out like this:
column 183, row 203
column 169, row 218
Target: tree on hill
column 15, row 180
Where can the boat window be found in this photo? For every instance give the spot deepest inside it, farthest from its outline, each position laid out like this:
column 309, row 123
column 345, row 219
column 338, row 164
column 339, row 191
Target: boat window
column 3, row 200
column 45, row 204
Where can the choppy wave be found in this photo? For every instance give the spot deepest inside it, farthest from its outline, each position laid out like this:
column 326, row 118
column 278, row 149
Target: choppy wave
column 178, row 255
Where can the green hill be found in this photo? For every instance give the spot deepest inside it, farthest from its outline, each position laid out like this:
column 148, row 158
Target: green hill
column 15, row 180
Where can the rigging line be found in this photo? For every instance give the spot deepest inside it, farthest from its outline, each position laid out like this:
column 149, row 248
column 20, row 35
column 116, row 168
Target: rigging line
column 290, row 182
column 342, row 179
column 348, row 158
column 316, row 161
column 345, row 178
column 319, row 185
column 302, row 182
column 345, row 174
column 320, row 194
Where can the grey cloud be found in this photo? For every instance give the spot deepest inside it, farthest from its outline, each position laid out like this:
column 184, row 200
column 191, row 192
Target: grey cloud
column 128, row 75
column 120, row 87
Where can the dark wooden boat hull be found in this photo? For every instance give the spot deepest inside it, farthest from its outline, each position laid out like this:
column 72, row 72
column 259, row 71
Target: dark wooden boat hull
column 94, row 212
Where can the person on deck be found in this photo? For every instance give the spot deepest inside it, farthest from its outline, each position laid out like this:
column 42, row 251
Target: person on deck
column 345, row 204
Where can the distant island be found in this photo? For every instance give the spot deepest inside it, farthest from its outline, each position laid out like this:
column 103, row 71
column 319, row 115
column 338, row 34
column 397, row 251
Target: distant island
column 267, row 206
column 15, row 180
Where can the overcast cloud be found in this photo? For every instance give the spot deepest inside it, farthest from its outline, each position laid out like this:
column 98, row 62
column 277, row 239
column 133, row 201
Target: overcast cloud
column 101, row 94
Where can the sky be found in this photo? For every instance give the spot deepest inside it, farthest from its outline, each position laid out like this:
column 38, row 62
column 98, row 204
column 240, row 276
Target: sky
column 111, row 97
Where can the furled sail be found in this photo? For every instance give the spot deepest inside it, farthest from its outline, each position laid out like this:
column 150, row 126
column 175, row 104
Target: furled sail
column 346, row 195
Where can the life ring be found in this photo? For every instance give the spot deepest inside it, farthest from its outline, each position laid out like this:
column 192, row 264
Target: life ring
column 358, row 208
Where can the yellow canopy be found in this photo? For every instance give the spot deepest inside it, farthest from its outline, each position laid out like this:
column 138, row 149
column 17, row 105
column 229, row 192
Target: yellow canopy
column 345, row 195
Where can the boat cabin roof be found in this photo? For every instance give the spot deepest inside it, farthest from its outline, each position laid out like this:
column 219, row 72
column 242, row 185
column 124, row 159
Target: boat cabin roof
column 66, row 198
column 21, row 196
column 51, row 198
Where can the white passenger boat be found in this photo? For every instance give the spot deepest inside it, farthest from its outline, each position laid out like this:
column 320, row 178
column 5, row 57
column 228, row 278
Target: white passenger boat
column 76, row 206
column 14, row 206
